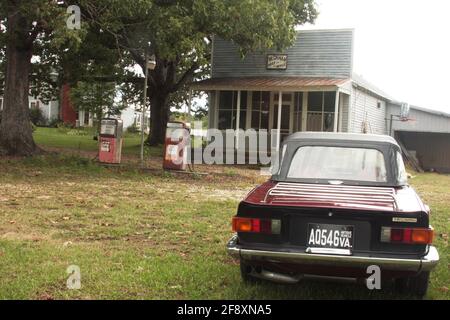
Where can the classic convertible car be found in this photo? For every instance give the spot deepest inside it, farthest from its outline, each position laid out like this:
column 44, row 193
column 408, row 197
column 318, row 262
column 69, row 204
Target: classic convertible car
column 338, row 204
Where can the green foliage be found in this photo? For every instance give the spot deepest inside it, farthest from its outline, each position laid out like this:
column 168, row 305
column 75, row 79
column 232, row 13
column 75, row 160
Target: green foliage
column 36, row 116
column 97, row 98
column 48, row 32
column 179, row 34
column 133, row 128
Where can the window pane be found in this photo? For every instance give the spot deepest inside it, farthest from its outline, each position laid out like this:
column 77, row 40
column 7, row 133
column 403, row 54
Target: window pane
column 337, row 163
column 264, row 120
column 243, row 120
column 255, row 119
column 314, row 121
column 243, row 100
column 256, row 100
column 225, row 118
column 328, row 122
column 330, row 99
column 260, row 109
column 265, row 100
column 402, row 175
column 226, row 100
column 315, row 101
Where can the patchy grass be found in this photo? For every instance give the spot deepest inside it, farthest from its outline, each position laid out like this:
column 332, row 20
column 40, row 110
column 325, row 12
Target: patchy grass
column 147, row 235
column 141, row 236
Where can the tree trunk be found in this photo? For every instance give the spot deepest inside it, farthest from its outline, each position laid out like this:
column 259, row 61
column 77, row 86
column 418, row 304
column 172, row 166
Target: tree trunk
column 159, row 116
column 15, row 128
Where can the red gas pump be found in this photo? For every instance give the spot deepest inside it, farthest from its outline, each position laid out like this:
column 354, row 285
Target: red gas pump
column 175, row 148
column 110, row 141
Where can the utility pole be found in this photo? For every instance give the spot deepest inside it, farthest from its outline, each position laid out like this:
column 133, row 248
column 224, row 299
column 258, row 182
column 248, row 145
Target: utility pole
column 143, row 125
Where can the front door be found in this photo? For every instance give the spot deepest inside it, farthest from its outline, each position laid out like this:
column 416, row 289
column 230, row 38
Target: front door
column 287, row 114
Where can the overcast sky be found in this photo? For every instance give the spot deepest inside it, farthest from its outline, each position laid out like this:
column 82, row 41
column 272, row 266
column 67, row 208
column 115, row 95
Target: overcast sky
column 401, row 46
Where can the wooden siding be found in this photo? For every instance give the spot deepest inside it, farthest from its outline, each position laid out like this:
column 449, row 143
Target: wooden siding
column 316, row 53
column 365, row 113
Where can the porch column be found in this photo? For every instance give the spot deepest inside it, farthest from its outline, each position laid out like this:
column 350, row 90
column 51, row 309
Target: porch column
column 305, row 111
column 336, row 111
column 280, row 102
column 238, row 118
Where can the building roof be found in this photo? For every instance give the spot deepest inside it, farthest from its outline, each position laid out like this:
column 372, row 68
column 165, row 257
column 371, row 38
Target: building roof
column 341, row 137
column 431, row 111
column 359, row 81
column 268, row 83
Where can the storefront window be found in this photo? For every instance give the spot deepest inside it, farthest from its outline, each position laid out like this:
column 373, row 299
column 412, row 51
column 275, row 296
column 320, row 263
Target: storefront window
column 228, row 110
column 321, row 107
column 260, row 110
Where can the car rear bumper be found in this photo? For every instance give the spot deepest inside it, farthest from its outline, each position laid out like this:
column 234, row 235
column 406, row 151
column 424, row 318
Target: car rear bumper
column 426, row 263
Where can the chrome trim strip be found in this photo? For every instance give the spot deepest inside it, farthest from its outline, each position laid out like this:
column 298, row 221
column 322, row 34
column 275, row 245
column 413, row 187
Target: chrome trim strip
column 332, row 251
column 427, row 263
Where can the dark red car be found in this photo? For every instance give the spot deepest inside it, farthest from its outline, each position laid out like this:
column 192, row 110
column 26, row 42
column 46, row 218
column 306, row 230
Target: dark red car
column 338, row 204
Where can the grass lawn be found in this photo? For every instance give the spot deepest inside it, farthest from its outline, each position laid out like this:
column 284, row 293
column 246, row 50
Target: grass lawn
column 147, row 236
column 82, row 141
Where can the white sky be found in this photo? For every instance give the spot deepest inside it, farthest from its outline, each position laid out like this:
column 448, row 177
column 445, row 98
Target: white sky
column 401, row 46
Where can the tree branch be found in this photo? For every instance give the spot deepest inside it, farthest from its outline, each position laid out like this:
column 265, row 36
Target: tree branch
column 184, row 78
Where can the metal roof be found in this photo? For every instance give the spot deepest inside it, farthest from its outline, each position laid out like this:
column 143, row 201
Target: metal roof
column 361, row 82
column 268, row 83
column 341, row 137
column 432, row 111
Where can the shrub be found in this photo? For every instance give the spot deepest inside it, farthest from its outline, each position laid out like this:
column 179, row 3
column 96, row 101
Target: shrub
column 54, row 123
column 133, row 128
column 36, row 116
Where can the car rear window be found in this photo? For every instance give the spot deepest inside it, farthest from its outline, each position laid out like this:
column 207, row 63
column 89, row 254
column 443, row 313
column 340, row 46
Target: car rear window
column 338, row 163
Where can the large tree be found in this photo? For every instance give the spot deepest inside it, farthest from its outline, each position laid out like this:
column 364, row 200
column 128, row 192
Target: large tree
column 179, row 34
column 23, row 24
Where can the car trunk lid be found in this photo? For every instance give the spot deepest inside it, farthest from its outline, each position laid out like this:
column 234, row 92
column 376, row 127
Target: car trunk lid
column 335, row 196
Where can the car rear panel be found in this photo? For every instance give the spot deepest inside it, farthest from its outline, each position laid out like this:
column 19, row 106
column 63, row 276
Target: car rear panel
column 366, row 227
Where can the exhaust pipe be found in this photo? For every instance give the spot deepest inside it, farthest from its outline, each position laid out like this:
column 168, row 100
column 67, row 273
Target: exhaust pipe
column 275, row 277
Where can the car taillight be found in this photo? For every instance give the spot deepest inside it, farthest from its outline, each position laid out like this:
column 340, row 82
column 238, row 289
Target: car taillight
column 267, row 226
column 407, row 235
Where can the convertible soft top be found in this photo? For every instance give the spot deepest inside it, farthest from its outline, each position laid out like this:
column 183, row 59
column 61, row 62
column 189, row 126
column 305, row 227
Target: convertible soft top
column 385, row 144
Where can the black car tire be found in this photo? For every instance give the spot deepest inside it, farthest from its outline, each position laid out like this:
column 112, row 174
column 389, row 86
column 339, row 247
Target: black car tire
column 417, row 285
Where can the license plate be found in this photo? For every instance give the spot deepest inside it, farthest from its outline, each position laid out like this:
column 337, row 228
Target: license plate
column 330, row 236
